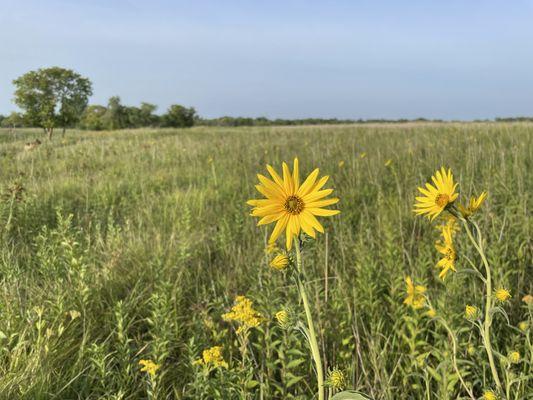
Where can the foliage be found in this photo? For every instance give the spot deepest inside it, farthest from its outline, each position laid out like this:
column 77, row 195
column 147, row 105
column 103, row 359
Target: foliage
column 52, row 97
column 117, row 247
column 179, row 117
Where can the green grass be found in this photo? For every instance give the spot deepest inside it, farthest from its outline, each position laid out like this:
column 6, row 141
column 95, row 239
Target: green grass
column 150, row 241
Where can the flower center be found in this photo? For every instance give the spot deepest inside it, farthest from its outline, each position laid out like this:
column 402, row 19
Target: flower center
column 442, row 200
column 294, row 205
column 450, row 254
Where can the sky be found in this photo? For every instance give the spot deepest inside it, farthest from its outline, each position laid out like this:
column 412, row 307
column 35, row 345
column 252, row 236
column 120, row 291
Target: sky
column 283, row 59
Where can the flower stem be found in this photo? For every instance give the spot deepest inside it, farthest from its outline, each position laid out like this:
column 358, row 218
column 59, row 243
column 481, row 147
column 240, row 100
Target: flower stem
column 313, row 343
column 488, row 301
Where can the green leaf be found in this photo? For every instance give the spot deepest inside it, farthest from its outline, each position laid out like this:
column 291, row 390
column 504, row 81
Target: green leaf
column 251, row 384
column 295, row 363
column 350, row 395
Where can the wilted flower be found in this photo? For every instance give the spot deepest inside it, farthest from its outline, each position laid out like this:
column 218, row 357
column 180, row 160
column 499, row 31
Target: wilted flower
column 528, row 299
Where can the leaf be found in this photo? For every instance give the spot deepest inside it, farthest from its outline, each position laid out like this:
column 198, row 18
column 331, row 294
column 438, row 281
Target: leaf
column 350, row 395
column 293, row 381
column 295, row 363
column 251, row 384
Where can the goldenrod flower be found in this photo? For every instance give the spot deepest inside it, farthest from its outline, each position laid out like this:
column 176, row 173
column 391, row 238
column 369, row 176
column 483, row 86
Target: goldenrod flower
column 341, row 163
column 514, row 357
column 244, row 314
column 293, row 206
column 149, row 366
column 502, row 294
column 436, row 198
column 431, row 313
column 415, row 294
column 280, row 262
column 489, row 395
column 523, row 326
column 473, row 205
column 448, row 251
column 212, row 356
column 471, row 312
column 336, row 379
column 528, row 299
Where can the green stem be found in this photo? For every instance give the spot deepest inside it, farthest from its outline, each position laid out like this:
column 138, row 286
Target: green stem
column 488, row 304
column 313, row 343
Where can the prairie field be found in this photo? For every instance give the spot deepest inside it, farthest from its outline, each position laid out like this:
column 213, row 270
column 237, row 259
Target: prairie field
column 130, row 245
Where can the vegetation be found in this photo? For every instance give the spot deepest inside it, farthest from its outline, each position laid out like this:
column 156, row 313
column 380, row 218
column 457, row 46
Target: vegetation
column 130, row 267
column 52, row 97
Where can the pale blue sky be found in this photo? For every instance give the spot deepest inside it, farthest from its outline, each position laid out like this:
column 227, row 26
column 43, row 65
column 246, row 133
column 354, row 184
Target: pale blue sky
column 290, row 59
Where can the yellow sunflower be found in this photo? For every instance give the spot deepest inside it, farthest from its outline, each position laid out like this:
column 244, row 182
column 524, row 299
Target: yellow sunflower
column 415, row 294
column 448, row 261
column 473, row 205
column 293, row 206
column 436, row 198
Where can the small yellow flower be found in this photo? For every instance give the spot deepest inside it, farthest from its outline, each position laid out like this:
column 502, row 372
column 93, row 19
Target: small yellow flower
column 471, row 312
column 471, row 350
column 341, row 163
column 436, row 198
column 244, row 314
column 415, row 294
column 212, row 356
column 502, row 294
column 362, row 155
column 280, row 262
column 149, row 366
column 431, row 313
column 473, row 205
column 514, row 357
column 388, row 162
column 336, row 379
column 282, row 317
column 528, row 299
column 447, row 249
column 489, row 395
column 523, row 326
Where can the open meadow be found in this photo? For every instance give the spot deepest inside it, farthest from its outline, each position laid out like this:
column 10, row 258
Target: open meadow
column 117, row 247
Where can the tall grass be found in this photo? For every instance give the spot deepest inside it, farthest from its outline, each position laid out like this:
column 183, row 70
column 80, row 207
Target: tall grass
column 129, row 245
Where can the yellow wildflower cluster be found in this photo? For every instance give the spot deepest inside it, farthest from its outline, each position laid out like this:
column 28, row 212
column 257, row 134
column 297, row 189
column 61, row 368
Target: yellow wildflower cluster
column 212, row 356
column 149, row 366
column 244, row 314
column 415, row 294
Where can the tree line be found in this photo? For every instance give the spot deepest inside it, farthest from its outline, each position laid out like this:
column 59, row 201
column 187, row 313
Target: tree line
column 56, row 97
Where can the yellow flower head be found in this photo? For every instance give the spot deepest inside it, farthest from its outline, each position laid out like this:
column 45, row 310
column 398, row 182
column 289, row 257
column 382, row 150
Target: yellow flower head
column 436, row 198
column 489, row 395
column 502, row 294
column 473, row 205
column 388, row 162
column 528, row 299
column 471, row 350
column 280, row 262
column 447, row 262
column 431, row 313
column 149, row 366
column 293, row 206
column 213, row 356
column 341, row 163
column 514, row 357
column 471, row 312
column 244, row 314
column 415, row 294
column 362, row 155
column 336, row 379
column 283, row 318
column 523, row 326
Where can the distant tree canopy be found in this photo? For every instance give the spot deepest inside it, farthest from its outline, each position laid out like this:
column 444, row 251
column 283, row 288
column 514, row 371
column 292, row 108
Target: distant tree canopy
column 52, row 97
column 13, row 120
column 179, row 117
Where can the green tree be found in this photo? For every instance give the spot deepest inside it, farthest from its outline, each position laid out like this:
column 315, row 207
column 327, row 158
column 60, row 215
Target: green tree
column 52, row 97
column 116, row 116
column 13, row 120
column 179, row 117
column 93, row 118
